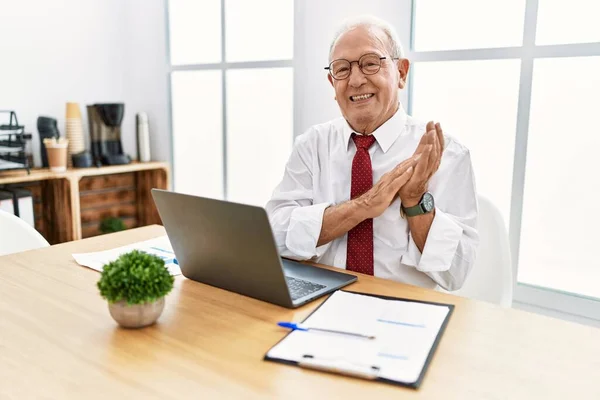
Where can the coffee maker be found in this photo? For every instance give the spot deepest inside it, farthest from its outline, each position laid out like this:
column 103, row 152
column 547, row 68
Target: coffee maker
column 105, row 130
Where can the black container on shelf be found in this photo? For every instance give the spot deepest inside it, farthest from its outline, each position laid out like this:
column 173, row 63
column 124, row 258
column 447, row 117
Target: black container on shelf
column 82, row 160
column 13, row 143
column 105, row 132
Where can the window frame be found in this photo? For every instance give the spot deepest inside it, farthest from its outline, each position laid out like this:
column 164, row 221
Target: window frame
column 223, row 66
column 527, row 294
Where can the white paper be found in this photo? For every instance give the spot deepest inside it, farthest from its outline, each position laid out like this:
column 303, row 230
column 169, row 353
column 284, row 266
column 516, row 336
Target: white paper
column 159, row 246
column 405, row 332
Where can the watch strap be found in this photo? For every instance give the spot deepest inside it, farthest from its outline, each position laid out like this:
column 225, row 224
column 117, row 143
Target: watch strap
column 414, row 210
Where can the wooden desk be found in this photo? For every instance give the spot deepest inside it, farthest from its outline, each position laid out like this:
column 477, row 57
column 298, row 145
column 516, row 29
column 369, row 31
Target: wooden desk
column 57, row 340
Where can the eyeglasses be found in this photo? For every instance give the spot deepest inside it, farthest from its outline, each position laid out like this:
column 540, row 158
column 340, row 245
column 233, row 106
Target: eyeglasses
column 369, row 64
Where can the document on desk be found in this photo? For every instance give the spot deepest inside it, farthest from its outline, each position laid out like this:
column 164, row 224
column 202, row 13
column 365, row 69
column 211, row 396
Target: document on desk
column 406, row 334
column 159, row 246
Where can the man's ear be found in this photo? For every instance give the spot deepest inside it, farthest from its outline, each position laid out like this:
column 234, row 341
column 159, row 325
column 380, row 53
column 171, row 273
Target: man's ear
column 403, row 67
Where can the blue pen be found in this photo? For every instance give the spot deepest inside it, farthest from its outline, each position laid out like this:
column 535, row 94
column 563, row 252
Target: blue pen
column 299, row 327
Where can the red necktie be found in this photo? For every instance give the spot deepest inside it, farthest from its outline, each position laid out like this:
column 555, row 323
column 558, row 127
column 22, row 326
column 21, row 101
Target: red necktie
column 359, row 256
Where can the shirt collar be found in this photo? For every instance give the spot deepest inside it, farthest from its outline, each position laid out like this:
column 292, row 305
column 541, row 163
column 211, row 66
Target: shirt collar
column 387, row 133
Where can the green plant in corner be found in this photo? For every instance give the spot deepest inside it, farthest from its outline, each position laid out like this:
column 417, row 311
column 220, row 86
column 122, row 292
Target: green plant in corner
column 112, row 224
column 136, row 278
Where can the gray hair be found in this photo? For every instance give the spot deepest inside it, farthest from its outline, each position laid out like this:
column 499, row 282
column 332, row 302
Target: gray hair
column 370, row 21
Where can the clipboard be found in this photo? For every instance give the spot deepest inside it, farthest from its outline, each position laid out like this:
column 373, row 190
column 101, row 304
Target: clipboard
column 369, row 371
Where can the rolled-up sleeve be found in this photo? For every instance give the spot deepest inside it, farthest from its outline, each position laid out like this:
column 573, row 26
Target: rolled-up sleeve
column 295, row 220
column 450, row 249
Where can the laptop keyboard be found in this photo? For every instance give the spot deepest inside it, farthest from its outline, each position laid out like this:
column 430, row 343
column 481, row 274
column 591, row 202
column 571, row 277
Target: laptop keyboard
column 300, row 288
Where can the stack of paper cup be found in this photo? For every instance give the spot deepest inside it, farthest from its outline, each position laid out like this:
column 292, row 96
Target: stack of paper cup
column 74, row 131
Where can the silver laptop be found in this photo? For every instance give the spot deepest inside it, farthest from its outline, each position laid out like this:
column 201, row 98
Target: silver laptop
column 231, row 246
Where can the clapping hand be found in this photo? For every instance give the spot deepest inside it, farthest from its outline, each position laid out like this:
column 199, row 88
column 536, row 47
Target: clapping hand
column 430, row 149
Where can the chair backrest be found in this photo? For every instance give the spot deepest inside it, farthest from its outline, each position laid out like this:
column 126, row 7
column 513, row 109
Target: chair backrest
column 17, row 235
column 491, row 278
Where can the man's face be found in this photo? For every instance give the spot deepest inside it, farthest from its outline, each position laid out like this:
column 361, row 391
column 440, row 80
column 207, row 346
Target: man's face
column 365, row 114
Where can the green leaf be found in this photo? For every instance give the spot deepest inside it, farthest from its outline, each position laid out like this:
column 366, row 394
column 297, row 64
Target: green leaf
column 136, row 277
column 112, row 224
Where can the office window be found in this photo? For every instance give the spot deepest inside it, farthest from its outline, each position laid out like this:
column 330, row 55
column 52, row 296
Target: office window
column 575, row 21
column 476, row 102
column 529, row 68
column 231, row 92
column 256, row 35
column 194, row 31
column 258, row 148
column 559, row 232
column 197, row 151
column 467, row 24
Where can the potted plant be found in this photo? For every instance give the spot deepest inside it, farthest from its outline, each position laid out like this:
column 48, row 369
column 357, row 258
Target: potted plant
column 135, row 286
column 112, row 224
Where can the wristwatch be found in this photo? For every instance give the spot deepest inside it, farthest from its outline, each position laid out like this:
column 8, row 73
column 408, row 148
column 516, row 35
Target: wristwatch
column 425, row 206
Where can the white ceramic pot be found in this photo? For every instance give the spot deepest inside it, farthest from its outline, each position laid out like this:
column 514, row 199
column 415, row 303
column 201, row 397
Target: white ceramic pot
column 136, row 315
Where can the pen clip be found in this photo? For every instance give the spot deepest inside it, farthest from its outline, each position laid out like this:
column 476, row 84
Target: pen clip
column 340, row 366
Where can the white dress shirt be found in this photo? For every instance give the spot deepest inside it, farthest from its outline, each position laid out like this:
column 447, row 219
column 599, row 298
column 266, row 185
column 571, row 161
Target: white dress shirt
column 318, row 175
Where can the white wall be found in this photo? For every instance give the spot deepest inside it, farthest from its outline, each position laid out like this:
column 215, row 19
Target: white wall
column 147, row 74
column 91, row 51
column 316, row 22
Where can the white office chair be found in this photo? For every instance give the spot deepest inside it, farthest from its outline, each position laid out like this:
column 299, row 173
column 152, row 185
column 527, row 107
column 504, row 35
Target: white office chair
column 17, row 235
column 491, row 278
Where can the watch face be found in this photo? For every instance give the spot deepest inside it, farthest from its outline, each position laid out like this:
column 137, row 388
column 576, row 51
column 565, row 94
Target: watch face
column 428, row 202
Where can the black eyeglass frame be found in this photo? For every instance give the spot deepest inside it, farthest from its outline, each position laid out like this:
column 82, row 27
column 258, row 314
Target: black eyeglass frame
column 329, row 68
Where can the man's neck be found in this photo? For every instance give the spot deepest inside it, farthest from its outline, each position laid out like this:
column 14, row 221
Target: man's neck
column 368, row 129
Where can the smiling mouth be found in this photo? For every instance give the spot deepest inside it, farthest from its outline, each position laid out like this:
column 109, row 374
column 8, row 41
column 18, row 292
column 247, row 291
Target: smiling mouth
column 361, row 97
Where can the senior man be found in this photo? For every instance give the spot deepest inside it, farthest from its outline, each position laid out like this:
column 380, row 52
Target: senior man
column 376, row 191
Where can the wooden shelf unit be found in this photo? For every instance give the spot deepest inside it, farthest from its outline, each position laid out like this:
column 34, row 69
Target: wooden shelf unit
column 70, row 205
